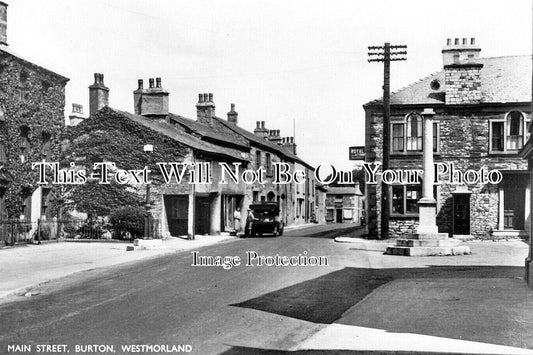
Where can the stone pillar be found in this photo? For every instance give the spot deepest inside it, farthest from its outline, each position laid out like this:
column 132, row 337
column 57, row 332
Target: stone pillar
column 427, row 241
column 427, row 205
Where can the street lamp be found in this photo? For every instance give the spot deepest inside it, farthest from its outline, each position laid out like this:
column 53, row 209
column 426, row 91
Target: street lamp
column 148, row 148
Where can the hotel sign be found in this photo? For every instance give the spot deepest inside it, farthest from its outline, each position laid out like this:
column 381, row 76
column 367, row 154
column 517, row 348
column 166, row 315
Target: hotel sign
column 357, row 153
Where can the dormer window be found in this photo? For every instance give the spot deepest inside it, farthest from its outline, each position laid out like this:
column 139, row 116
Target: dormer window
column 508, row 134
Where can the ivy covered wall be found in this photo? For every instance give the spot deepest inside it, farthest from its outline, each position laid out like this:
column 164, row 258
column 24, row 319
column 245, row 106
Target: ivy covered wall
column 32, row 102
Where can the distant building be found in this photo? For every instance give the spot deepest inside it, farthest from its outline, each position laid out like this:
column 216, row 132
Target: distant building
column 343, row 204
column 482, row 108
column 32, row 101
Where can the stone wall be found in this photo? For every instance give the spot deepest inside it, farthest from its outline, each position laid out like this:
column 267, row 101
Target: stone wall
column 33, row 98
column 402, row 227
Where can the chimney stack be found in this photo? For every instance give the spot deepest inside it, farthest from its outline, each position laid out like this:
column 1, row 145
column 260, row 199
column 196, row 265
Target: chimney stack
column 205, row 109
column 233, row 115
column 462, row 72
column 274, row 137
column 260, row 130
column 98, row 94
column 460, row 53
column 288, row 143
column 3, row 23
column 152, row 102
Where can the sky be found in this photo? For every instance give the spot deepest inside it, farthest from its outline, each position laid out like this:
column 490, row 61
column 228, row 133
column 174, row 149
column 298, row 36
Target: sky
column 297, row 65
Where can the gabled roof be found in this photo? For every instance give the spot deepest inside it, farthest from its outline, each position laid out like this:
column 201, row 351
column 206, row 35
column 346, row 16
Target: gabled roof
column 216, row 132
column 503, row 80
column 262, row 142
column 6, row 50
column 174, row 133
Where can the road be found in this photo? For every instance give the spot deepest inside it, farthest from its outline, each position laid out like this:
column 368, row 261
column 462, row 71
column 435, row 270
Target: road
column 168, row 301
column 244, row 309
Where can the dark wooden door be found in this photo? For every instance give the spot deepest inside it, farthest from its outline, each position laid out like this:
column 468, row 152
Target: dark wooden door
column 202, row 215
column 339, row 215
column 177, row 209
column 514, row 203
column 461, row 214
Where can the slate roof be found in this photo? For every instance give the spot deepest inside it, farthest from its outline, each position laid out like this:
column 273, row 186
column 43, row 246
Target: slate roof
column 503, row 80
column 262, row 142
column 213, row 133
column 6, row 50
column 178, row 135
column 224, row 131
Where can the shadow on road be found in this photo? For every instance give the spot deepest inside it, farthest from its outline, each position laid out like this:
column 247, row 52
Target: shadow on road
column 325, row 299
column 241, row 350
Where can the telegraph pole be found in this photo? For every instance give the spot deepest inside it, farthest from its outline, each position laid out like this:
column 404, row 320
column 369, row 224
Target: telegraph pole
column 386, row 54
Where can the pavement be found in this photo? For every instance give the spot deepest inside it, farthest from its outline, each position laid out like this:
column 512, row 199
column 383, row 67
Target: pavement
column 405, row 314
column 423, row 305
column 28, row 266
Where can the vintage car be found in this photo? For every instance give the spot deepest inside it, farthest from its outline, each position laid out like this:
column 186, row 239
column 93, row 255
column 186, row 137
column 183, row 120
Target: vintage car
column 266, row 219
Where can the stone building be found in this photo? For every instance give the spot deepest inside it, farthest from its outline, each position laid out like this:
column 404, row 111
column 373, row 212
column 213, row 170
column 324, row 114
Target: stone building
column 343, row 204
column 482, row 108
column 181, row 208
column 32, row 101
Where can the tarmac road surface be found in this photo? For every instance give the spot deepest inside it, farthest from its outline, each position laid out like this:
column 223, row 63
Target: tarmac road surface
column 164, row 303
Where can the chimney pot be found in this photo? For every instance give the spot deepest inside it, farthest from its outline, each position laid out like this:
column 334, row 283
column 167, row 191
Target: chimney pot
column 151, row 83
column 140, row 84
column 210, row 97
column 232, row 107
column 472, row 41
column 158, row 82
column 465, row 41
column 457, row 41
column 262, row 124
column 258, row 124
column 449, row 42
column 200, row 97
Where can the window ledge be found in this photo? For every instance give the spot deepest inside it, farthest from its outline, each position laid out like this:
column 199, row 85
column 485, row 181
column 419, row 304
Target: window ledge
column 409, row 215
column 496, row 153
column 400, row 154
